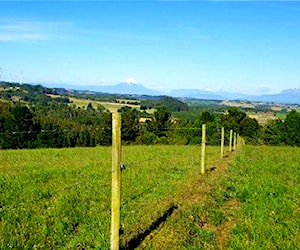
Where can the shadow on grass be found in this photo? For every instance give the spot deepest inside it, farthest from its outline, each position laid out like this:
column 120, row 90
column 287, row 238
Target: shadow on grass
column 137, row 240
column 211, row 169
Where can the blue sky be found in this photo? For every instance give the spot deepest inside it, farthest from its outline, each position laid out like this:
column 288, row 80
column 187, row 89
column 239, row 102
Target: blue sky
column 250, row 47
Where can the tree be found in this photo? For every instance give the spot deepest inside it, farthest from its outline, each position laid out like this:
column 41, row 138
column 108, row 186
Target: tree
column 206, row 117
column 249, row 128
column 161, row 122
column 90, row 107
column 212, row 128
column 51, row 136
column 232, row 119
column 146, row 138
column 292, row 128
column 273, row 132
column 20, row 131
column 130, row 124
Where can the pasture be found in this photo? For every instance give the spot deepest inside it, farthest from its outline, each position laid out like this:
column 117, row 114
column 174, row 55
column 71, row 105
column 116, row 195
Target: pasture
column 249, row 202
column 111, row 106
column 60, row 198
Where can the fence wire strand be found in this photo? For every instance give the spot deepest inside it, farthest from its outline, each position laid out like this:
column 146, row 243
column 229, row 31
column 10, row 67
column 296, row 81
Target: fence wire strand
column 50, row 195
column 45, row 131
column 156, row 157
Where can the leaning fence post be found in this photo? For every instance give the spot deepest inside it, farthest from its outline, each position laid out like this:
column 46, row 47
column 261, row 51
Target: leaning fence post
column 203, row 148
column 230, row 140
column 116, row 181
column 234, row 141
column 222, row 142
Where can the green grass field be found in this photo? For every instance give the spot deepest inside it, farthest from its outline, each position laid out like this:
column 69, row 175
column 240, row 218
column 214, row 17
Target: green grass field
column 60, row 198
column 281, row 115
column 265, row 182
column 111, row 106
column 251, row 202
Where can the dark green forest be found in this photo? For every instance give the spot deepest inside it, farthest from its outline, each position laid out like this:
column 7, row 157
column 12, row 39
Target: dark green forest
column 30, row 118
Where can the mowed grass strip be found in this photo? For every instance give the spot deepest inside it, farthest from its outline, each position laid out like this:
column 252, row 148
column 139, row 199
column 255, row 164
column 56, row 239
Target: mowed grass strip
column 60, row 198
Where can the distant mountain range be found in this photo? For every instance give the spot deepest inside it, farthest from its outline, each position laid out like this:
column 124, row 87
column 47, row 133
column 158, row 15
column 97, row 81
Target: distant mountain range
column 132, row 87
column 289, row 96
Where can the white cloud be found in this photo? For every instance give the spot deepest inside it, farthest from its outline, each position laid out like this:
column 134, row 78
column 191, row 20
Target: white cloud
column 20, row 31
column 22, row 37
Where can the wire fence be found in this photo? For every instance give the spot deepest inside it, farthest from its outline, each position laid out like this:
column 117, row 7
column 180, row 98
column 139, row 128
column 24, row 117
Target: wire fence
column 49, row 195
column 152, row 187
column 43, row 131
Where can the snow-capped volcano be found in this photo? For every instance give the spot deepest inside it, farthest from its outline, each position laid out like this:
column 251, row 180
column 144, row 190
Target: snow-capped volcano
column 131, row 86
column 131, row 80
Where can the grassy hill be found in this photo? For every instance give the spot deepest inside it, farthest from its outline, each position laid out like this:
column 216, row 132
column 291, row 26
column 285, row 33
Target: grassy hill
column 60, row 198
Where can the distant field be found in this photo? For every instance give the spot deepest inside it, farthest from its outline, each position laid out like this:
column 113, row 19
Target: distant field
column 60, row 198
column 281, row 115
column 111, row 106
column 203, row 103
column 262, row 117
column 238, row 104
column 114, row 107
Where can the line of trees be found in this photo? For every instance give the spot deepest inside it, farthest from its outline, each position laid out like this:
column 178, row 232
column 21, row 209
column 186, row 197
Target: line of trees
column 163, row 129
column 54, row 123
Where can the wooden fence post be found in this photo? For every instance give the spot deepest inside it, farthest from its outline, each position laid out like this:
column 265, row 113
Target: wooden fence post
column 203, row 148
column 234, row 141
column 238, row 141
column 230, row 140
column 222, row 142
column 116, row 181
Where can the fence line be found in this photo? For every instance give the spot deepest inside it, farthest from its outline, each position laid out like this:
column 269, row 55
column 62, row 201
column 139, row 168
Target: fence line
column 235, row 141
column 41, row 131
column 149, row 188
column 116, row 173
